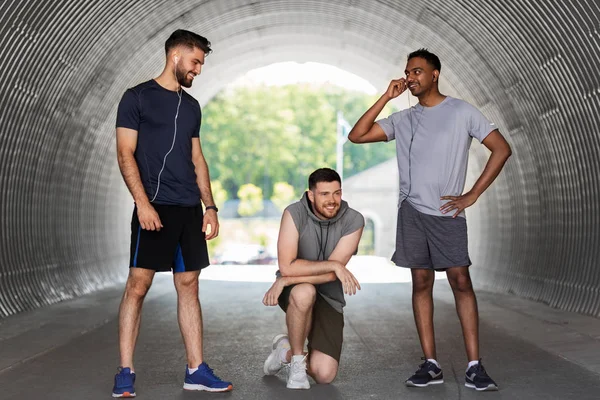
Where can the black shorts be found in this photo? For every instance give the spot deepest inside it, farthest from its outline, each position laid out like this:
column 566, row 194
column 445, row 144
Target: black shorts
column 327, row 331
column 180, row 245
column 430, row 241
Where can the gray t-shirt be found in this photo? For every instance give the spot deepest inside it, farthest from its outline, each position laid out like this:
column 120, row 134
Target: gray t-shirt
column 435, row 163
column 318, row 238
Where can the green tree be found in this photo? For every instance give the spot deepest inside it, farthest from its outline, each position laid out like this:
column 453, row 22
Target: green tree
column 220, row 195
column 283, row 195
column 266, row 134
column 251, row 200
column 359, row 157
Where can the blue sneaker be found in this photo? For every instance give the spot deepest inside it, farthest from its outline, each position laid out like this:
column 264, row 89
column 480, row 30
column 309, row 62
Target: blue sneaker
column 124, row 381
column 427, row 374
column 476, row 378
column 205, row 379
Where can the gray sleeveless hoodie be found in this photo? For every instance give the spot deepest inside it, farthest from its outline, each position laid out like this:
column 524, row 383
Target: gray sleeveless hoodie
column 318, row 238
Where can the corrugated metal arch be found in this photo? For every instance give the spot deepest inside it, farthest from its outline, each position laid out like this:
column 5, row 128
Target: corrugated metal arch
column 530, row 67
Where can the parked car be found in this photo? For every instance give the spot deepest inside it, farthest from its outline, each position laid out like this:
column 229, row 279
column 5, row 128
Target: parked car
column 240, row 254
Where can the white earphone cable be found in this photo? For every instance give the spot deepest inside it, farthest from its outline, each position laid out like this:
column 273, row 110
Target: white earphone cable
column 413, row 131
column 172, row 146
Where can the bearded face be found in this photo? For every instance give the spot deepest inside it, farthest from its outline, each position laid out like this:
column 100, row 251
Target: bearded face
column 184, row 77
column 188, row 65
column 326, row 199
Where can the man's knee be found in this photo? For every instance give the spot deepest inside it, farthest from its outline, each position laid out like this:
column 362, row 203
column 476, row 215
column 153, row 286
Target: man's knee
column 303, row 296
column 186, row 282
column 461, row 284
column 137, row 286
column 322, row 367
column 460, row 280
column 324, row 374
column 422, row 280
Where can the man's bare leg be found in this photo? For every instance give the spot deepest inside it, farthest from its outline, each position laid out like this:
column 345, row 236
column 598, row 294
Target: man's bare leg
column 466, row 308
column 130, row 312
column 429, row 373
column 422, row 301
column 299, row 320
column 298, row 316
column 189, row 315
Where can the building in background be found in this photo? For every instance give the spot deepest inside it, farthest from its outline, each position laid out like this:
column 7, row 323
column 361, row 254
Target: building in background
column 374, row 192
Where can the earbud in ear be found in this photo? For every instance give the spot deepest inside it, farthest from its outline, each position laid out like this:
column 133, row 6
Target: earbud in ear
column 176, row 59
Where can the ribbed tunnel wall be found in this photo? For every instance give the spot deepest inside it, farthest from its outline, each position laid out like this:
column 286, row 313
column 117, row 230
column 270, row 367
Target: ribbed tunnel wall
column 533, row 68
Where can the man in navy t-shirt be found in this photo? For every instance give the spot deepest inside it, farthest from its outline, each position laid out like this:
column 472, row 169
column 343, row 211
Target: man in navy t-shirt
column 161, row 160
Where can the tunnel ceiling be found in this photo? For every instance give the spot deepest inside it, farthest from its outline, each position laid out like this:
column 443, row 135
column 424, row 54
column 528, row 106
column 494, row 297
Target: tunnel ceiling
column 530, row 67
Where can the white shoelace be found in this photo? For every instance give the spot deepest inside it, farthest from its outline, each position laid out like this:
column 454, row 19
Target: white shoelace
column 298, row 367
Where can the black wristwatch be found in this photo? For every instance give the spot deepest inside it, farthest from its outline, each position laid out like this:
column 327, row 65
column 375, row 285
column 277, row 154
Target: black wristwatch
column 212, row 208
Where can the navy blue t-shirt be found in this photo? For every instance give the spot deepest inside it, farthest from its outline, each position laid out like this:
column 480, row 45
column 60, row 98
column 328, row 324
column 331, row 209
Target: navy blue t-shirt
column 150, row 109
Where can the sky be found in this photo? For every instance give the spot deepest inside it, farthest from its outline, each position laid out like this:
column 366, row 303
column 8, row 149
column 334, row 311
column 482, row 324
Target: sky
column 291, row 72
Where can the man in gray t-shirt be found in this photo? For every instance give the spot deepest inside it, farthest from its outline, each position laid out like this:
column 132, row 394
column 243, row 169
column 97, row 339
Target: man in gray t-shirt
column 432, row 146
column 317, row 237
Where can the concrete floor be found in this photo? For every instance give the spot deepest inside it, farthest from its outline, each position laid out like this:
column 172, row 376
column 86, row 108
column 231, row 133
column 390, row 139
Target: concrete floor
column 69, row 350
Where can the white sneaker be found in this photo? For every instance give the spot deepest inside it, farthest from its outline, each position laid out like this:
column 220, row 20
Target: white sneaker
column 297, row 378
column 273, row 364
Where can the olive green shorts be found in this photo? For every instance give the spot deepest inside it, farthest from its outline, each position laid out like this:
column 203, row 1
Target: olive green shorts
column 327, row 331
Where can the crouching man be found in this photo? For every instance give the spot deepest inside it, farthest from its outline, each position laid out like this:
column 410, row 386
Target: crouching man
column 317, row 237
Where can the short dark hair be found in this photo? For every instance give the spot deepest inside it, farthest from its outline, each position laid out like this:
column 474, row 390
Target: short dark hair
column 428, row 56
column 323, row 175
column 189, row 39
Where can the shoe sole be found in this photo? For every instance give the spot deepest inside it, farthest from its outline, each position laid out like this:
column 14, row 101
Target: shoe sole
column 434, row 382
column 124, row 395
column 307, row 386
column 489, row 388
column 192, row 387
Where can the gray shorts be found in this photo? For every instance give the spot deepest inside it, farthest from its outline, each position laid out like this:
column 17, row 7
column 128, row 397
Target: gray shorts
column 430, row 241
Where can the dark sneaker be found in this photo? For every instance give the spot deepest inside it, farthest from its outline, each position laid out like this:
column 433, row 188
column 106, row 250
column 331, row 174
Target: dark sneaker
column 427, row 374
column 124, row 381
column 205, row 379
column 476, row 378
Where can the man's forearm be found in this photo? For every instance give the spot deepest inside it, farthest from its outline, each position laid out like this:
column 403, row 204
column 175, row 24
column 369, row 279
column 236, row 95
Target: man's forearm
column 131, row 176
column 300, row 267
column 490, row 172
column 203, row 181
column 313, row 279
column 366, row 122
